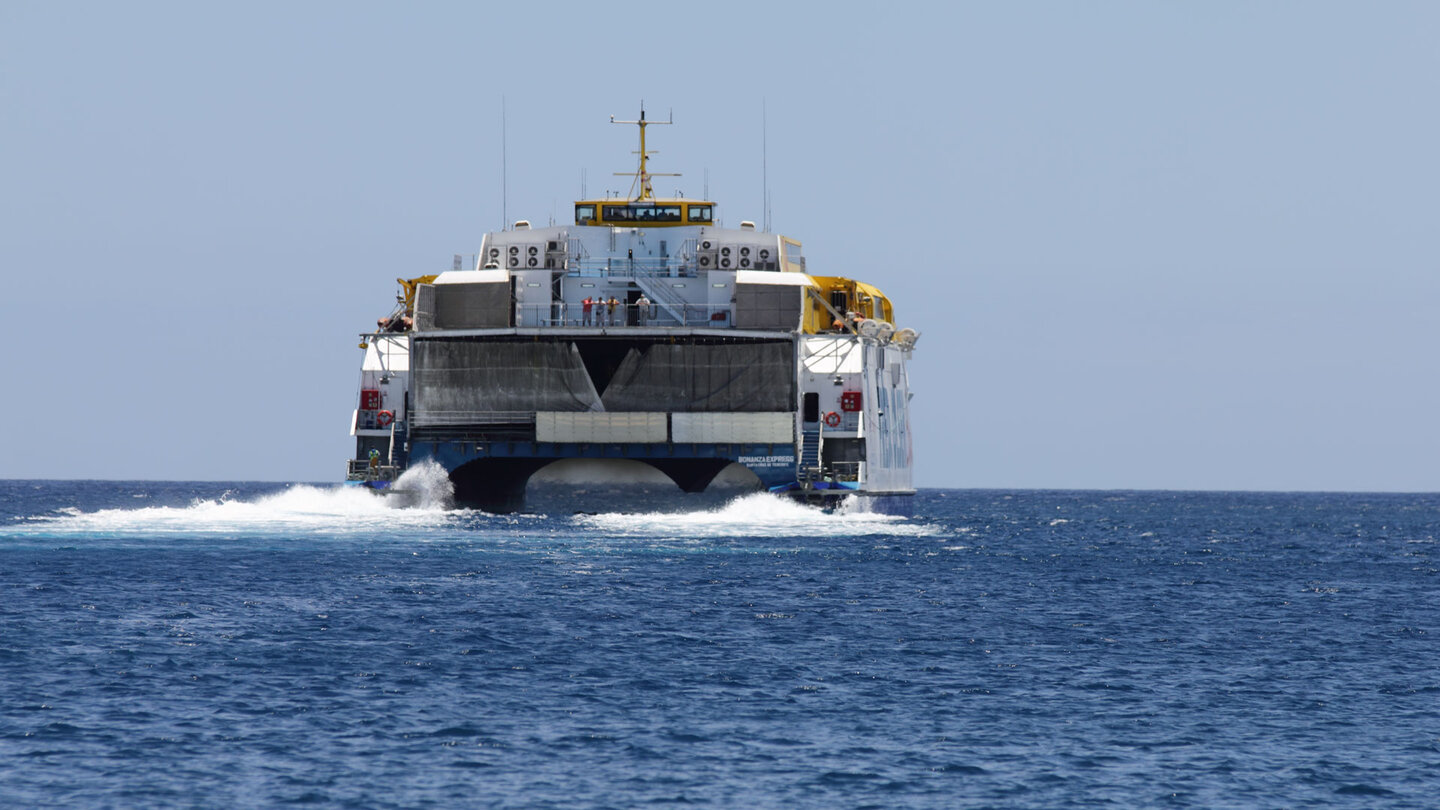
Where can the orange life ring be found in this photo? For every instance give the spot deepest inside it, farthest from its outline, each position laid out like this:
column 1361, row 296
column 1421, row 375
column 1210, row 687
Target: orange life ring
column 832, row 419
column 384, row 418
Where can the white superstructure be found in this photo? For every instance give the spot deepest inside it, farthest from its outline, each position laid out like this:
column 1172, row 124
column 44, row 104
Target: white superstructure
column 642, row 331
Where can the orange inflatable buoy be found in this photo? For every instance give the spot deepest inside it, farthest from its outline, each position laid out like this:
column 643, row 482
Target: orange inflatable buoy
column 384, row 418
column 832, row 419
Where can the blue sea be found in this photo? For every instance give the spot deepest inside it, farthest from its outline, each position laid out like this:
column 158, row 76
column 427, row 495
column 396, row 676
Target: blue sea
column 263, row 645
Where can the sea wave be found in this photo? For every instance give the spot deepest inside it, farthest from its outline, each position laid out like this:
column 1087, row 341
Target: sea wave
column 301, row 507
column 757, row 515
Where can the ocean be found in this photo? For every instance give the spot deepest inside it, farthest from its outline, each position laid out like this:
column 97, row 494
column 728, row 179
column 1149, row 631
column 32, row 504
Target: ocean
column 263, row 645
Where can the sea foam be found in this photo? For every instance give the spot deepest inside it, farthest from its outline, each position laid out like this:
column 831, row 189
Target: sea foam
column 298, row 508
column 756, row 515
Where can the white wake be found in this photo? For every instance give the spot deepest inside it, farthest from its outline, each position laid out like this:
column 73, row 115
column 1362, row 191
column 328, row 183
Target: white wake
column 301, row 508
column 757, row 515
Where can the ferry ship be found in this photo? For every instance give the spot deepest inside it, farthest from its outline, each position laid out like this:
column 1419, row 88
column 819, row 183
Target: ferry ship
column 645, row 331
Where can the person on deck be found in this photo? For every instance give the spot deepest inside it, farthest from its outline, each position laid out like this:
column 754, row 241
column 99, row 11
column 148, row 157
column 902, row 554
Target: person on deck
column 585, row 310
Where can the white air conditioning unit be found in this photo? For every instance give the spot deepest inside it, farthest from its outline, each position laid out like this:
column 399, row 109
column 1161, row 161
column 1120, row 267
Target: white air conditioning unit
column 555, row 254
column 707, row 253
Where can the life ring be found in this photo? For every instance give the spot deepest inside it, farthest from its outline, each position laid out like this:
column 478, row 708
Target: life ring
column 832, row 419
column 384, row 418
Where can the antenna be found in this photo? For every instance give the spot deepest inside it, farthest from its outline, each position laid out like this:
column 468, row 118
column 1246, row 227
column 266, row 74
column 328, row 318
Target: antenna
column 707, row 184
column 642, row 175
column 765, row 163
column 582, row 184
column 504, row 172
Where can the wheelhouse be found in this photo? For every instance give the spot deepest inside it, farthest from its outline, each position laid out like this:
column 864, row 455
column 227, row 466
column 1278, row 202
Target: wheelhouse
column 650, row 213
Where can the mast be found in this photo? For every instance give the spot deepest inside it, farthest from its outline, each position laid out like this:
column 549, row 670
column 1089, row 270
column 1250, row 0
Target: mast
column 642, row 175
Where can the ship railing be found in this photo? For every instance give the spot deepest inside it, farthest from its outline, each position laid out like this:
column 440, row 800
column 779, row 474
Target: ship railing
column 623, row 267
column 371, row 420
column 359, row 469
column 623, row 315
column 434, row 418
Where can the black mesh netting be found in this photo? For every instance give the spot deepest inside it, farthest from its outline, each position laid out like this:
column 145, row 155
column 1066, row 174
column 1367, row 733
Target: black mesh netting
column 745, row 377
column 459, row 381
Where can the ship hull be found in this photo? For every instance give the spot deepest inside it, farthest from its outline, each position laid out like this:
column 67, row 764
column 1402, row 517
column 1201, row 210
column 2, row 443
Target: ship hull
column 494, row 475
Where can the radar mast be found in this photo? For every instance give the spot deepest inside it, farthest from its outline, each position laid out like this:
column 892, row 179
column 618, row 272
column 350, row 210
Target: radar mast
column 642, row 175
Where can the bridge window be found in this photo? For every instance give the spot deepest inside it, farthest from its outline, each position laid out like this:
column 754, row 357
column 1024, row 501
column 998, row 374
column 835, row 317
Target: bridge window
column 642, row 213
column 700, row 213
column 584, row 213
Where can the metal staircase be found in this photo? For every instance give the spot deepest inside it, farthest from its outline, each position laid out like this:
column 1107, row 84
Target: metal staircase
column 811, row 442
column 663, row 294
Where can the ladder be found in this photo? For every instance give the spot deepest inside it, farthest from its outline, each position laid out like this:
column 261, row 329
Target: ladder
column 811, row 442
column 663, row 294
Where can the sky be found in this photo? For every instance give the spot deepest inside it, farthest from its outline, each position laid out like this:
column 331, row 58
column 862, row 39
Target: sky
column 1147, row 245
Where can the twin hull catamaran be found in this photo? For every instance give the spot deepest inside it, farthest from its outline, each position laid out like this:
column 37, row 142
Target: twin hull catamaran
column 643, row 331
